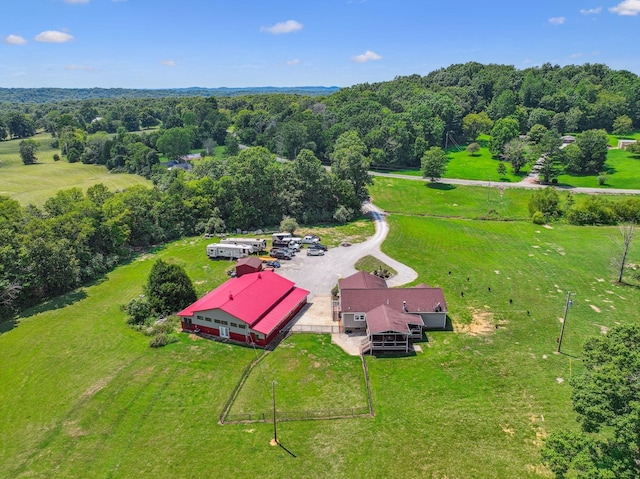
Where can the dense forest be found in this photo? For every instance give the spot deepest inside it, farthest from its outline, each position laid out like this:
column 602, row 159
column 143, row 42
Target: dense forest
column 78, row 236
column 46, row 95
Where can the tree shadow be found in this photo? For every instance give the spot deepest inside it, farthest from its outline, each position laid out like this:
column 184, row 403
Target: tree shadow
column 440, row 186
column 8, row 325
column 55, row 303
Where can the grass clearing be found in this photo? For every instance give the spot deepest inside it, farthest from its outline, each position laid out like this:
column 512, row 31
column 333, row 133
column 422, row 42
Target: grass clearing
column 480, row 166
column 310, row 372
column 622, row 171
column 371, row 263
column 332, row 235
column 34, row 184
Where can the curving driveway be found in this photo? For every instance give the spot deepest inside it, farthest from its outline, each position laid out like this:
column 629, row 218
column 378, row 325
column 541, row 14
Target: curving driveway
column 319, row 274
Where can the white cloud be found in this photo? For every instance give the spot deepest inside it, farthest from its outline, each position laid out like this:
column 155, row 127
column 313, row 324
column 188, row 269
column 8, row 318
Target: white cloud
column 53, row 36
column 591, row 11
column 169, row 63
column 366, row 56
column 295, row 61
column 628, row 7
column 15, row 40
column 557, row 20
column 575, row 55
column 76, row 1
column 289, row 26
column 82, row 68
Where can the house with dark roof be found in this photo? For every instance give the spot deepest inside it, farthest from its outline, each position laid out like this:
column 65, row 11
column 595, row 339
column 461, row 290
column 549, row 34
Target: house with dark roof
column 250, row 309
column 391, row 317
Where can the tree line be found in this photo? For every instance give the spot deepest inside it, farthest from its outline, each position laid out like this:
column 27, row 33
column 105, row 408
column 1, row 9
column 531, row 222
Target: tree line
column 398, row 120
column 76, row 236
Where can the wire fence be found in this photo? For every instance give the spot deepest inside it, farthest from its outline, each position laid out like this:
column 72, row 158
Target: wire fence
column 316, row 328
column 306, row 415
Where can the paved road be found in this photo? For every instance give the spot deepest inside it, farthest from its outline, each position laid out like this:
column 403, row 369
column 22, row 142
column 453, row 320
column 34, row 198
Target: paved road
column 521, row 184
column 319, row 274
column 526, row 183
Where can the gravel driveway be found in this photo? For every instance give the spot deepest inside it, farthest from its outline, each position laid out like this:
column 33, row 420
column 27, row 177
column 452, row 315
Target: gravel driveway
column 319, row 274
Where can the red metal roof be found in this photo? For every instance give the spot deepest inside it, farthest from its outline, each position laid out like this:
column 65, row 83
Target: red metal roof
column 248, row 298
column 280, row 311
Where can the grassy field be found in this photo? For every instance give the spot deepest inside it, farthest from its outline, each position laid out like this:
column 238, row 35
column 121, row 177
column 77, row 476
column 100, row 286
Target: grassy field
column 82, row 395
column 622, row 168
column 481, row 166
column 622, row 171
column 371, row 263
column 36, row 183
column 310, row 374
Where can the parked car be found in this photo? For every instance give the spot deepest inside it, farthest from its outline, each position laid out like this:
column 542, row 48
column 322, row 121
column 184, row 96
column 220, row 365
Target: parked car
column 310, row 239
column 315, row 252
column 288, row 251
column 280, row 255
column 318, row 246
column 273, row 264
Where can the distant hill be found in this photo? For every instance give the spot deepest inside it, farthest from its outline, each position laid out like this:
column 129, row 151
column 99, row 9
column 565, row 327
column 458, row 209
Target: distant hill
column 44, row 95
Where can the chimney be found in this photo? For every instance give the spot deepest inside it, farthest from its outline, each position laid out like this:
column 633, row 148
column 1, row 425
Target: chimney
column 230, row 295
column 259, row 275
column 404, row 306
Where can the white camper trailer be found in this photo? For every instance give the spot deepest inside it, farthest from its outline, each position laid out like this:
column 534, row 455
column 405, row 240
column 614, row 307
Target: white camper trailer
column 229, row 251
column 257, row 244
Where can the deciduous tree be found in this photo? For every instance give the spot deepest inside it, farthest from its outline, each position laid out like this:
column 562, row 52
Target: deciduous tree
column 605, row 397
column 434, row 163
column 169, row 288
column 28, row 149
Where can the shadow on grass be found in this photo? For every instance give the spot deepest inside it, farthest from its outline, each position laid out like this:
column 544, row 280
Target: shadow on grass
column 440, row 186
column 55, row 303
column 8, row 325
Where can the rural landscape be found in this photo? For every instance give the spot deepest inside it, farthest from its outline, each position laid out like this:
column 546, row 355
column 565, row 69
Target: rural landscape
column 514, row 193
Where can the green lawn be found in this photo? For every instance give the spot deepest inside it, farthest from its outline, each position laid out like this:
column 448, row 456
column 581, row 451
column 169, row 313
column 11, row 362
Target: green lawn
column 311, row 374
column 82, row 395
column 623, row 171
column 481, row 166
column 36, row 183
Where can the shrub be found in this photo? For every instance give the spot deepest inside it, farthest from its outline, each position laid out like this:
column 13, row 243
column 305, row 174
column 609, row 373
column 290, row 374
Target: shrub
column 343, row 215
column 594, row 211
column 138, row 310
column 545, row 201
column 538, row 218
column 56, row 157
column 159, row 340
column 602, row 179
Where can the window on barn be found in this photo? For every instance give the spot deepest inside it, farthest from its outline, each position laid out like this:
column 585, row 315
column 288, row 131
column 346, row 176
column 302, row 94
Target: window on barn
column 233, row 325
column 200, row 318
column 358, row 317
column 242, row 326
column 217, row 321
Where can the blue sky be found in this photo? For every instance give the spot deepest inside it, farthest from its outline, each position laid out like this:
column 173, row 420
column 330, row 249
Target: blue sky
column 244, row 43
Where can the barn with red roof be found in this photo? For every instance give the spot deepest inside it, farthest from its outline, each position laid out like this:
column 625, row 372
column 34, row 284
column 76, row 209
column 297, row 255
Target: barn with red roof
column 251, row 309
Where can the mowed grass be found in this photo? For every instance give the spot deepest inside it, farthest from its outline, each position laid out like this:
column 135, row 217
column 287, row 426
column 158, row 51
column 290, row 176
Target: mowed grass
column 311, row 374
column 34, row 184
column 419, row 198
column 622, row 171
column 82, row 395
column 480, row 166
column 410, row 197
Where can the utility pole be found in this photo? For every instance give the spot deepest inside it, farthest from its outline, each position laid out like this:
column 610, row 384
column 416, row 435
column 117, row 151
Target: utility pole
column 274, row 441
column 564, row 320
